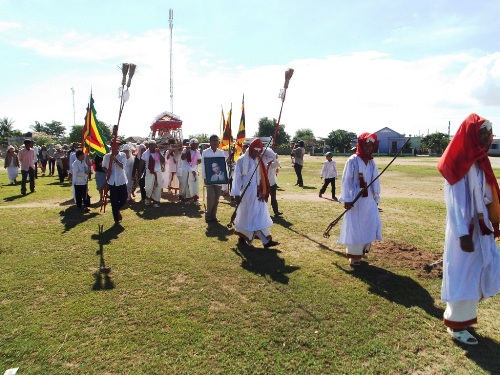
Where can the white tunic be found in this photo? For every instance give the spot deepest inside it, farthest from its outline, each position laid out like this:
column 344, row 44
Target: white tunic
column 361, row 223
column 252, row 214
column 476, row 275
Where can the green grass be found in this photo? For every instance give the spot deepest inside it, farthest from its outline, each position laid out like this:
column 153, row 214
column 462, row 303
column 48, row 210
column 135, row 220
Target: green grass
column 182, row 299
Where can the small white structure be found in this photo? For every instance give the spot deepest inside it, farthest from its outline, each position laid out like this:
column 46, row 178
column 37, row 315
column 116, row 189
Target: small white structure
column 495, row 147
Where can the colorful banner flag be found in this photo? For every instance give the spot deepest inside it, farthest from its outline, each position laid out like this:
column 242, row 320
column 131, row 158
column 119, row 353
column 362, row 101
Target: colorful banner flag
column 93, row 141
column 227, row 138
column 241, row 136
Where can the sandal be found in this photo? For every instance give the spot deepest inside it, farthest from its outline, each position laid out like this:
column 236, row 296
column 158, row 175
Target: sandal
column 463, row 336
column 354, row 262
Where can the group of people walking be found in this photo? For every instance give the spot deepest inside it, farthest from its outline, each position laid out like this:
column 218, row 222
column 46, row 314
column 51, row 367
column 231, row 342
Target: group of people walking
column 471, row 262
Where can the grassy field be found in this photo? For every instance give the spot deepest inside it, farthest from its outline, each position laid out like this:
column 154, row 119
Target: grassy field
column 181, row 298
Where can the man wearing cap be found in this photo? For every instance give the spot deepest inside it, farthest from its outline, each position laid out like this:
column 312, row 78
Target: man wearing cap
column 27, row 161
column 117, row 181
column 329, row 173
column 59, row 156
column 151, row 162
column 214, row 190
column 362, row 224
column 190, row 159
column 12, row 164
column 252, row 215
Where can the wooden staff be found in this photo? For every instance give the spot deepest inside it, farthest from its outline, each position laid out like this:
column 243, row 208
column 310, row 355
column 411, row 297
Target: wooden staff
column 288, row 76
column 326, row 233
column 124, row 96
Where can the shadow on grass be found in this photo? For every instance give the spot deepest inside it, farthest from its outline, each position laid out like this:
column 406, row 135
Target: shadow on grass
column 402, row 290
column 280, row 220
column 264, row 262
column 64, row 184
column 102, row 278
column 13, row 198
column 485, row 354
column 67, row 202
column 222, row 232
column 165, row 209
column 72, row 216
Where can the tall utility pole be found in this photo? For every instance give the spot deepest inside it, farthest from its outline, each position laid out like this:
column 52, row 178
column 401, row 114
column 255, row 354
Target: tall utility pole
column 171, row 24
column 74, row 114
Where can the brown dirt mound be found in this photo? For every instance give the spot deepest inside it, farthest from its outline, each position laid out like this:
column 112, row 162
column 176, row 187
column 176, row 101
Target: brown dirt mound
column 402, row 255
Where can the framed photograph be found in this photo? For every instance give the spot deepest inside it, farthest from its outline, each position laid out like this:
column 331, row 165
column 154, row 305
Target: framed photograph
column 215, row 170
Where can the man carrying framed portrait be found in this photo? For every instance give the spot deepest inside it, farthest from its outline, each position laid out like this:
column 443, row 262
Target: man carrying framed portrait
column 214, row 176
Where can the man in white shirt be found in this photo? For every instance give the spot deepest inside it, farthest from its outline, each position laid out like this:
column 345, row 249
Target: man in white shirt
column 26, row 158
column 213, row 190
column 272, row 169
column 329, row 173
column 117, row 181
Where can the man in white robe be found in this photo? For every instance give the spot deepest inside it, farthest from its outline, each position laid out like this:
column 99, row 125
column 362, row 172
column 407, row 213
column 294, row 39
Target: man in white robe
column 471, row 261
column 151, row 161
column 361, row 225
column 190, row 185
column 252, row 215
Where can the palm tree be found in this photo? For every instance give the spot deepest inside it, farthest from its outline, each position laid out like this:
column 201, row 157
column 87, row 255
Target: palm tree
column 5, row 126
column 37, row 127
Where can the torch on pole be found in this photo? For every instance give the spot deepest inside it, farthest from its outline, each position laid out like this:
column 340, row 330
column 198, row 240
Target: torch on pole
column 282, row 96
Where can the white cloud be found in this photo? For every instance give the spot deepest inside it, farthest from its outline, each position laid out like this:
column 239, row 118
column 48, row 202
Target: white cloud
column 356, row 92
column 8, row 25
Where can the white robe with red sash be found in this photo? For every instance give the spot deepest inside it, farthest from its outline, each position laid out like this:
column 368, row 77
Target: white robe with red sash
column 361, row 224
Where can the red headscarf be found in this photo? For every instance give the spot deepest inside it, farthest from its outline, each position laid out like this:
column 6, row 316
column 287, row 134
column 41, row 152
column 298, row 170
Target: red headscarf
column 263, row 189
column 360, row 150
column 464, row 150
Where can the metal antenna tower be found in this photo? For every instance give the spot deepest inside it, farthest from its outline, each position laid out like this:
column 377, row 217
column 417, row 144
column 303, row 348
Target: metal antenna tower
column 171, row 25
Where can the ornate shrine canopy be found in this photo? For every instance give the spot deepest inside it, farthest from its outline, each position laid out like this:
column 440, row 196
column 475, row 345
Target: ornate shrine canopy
column 165, row 124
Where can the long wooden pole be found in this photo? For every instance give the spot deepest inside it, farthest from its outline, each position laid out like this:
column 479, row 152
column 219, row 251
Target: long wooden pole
column 130, row 70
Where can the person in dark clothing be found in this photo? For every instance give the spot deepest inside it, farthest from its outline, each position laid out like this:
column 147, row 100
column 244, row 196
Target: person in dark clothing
column 298, row 153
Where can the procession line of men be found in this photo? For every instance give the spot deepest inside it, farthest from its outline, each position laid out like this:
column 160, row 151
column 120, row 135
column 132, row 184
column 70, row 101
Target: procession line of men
column 471, row 263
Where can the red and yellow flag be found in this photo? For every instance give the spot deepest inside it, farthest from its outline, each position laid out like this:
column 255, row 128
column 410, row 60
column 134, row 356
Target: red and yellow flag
column 93, row 141
column 227, row 138
column 241, row 136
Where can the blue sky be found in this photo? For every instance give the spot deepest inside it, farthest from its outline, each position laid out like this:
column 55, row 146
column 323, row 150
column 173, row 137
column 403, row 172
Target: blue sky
column 412, row 66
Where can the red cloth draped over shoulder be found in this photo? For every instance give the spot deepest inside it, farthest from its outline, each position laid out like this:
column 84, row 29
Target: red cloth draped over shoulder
column 151, row 164
column 463, row 151
column 263, row 190
column 360, row 149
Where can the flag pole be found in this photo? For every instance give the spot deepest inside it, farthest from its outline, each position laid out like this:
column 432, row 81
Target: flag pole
column 282, row 95
column 124, row 96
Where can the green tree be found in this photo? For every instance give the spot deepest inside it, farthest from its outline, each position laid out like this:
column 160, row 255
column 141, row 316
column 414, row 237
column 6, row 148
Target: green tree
column 54, row 128
column 106, row 130
column 75, row 135
column 304, row 135
column 202, row 138
column 6, row 125
column 267, row 127
column 43, row 140
column 39, row 128
column 340, row 140
column 435, row 142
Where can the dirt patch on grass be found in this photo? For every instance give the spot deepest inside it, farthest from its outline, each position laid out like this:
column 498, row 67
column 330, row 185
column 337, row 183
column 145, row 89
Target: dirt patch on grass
column 401, row 255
